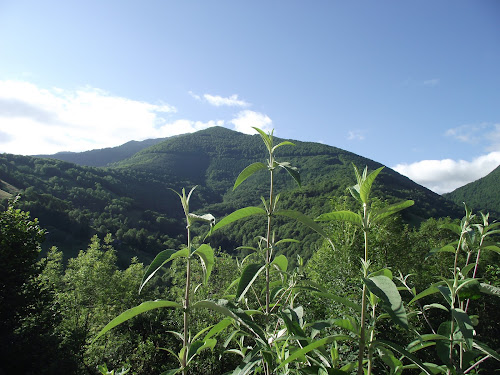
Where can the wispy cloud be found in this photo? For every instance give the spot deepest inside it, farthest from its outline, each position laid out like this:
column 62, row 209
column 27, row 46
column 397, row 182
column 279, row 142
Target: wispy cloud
column 245, row 120
column 431, row 82
column 356, row 135
column 220, row 101
column 37, row 120
column 487, row 133
column 443, row 176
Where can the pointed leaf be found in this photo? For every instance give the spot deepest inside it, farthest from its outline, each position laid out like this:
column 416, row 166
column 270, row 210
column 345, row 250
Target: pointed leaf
column 307, row 221
column 486, row 349
column 346, row 216
column 206, row 254
column 385, row 289
column 366, row 186
column 226, row 308
column 238, row 215
column 490, row 289
column 494, row 248
column 130, row 313
column 315, row 344
column 341, row 300
column 430, row 290
column 283, row 144
column 392, row 209
column 266, row 138
column 247, row 172
column 159, row 261
column 404, row 352
column 292, row 171
column 247, row 278
column 465, row 325
column 455, row 228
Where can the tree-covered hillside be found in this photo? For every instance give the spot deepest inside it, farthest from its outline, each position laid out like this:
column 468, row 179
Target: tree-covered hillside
column 482, row 194
column 104, row 156
column 132, row 201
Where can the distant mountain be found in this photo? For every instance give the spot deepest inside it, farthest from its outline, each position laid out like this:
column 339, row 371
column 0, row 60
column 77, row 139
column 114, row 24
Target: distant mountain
column 103, row 157
column 482, row 194
column 131, row 198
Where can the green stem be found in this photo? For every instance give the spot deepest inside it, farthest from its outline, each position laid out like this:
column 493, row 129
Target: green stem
column 186, row 304
column 361, row 353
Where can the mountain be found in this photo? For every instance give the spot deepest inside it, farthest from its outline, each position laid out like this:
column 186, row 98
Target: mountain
column 482, row 194
column 104, row 156
column 131, row 198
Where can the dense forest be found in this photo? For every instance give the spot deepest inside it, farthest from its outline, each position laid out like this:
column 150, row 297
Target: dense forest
column 235, row 284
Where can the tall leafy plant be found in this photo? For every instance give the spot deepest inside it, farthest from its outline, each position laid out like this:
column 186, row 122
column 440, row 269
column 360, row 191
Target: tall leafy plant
column 378, row 289
column 192, row 345
column 273, row 345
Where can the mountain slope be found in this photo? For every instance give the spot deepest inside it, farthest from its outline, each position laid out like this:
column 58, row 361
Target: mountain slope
column 104, row 156
column 131, row 199
column 482, row 194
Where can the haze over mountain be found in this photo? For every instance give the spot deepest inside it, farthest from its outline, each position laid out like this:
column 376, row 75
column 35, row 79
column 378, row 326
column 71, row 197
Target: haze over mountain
column 131, row 200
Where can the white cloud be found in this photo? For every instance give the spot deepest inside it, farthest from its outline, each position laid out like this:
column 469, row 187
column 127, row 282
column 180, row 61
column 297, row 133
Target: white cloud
column 443, row 176
column 231, row 101
column 247, row 119
column 220, row 101
column 356, row 135
column 34, row 120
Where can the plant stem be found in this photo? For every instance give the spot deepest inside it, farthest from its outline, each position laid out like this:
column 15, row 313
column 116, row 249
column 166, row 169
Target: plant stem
column 361, row 353
column 186, row 304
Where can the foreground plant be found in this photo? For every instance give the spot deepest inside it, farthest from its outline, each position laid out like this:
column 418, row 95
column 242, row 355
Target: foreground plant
column 378, row 289
column 283, row 340
column 454, row 339
column 191, row 346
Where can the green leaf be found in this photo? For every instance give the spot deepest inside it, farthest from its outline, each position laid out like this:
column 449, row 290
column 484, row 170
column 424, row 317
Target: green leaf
column 292, row 171
column 404, row 352
column 385, row 289
column 159, row 261
column 490, row 289
column 430, row 290
column 492, row 248
column 247, row 278
column 266, row 138
column 346, row 216
column 315, row 344
column 247, row 172
column 455, row 228
column 238, row 215
column 392, row 209
column 130, row 313
column 171, row 372
column 435, row 306
column 280, row 262
column 366, row 185
column 206, row 254
column 219, row 327
column 486, row 349
column 251, row 360
column 283, row 144
column 306, row 220
column 226, row 308
column 464, row 324
column 447, row 248
column 198, row 346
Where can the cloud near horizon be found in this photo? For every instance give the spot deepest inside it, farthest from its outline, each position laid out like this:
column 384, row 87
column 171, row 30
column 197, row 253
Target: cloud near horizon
column 220, row 101
column 444, row 176
column 246, row 120
column 45, row 121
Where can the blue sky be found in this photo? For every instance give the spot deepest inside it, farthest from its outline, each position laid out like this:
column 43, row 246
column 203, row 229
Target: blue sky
column 413, row 85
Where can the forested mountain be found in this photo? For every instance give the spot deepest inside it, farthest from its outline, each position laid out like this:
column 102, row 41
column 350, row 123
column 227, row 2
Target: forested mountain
column 482, row 194
column 131, row 198
column 104, row 156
